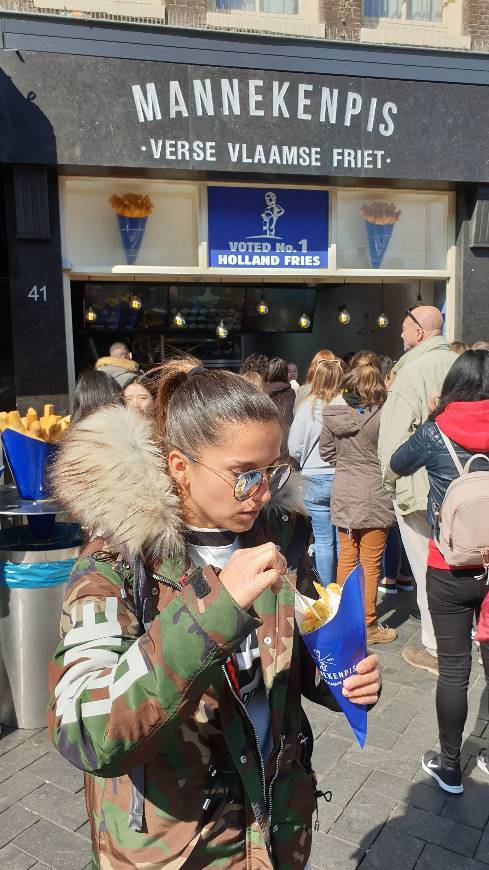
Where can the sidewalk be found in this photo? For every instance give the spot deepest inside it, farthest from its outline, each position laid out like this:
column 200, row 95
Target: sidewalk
column 385, row 813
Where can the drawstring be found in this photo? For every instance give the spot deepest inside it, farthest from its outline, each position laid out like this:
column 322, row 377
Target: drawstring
column 485, row 565
column 327, row 795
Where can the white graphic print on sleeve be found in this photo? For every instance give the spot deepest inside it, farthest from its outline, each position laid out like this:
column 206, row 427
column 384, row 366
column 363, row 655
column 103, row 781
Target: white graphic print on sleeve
column 86, row 642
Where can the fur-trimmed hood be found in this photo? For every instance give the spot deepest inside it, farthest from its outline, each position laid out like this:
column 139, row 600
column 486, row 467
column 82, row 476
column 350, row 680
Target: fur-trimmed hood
column 110, row 477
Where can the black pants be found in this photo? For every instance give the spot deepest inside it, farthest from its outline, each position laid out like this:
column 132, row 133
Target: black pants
column 453, row 598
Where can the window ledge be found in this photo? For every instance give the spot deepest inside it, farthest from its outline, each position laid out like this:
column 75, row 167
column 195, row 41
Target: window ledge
column 425, row 33
column 266, row 22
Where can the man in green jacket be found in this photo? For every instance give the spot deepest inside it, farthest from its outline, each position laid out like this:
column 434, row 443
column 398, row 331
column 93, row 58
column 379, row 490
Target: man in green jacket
column 418, row 377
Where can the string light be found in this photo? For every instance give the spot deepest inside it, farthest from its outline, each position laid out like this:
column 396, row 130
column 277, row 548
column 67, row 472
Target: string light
column 221, row 330
column 344, row 315
column 382, row 319
column 262, row 307
column 90, row 315
column 178, row 319
column 135, row 303
column 304, row 321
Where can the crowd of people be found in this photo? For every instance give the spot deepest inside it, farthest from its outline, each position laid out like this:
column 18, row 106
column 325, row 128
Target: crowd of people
column 180, row 671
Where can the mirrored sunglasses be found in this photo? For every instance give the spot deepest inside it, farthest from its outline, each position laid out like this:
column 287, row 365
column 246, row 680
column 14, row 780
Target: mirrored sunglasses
column 249, row 482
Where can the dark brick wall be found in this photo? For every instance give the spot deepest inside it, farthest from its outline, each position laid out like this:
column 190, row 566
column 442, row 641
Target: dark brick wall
column 191, row 13
column 476, row 21
column 342, row 18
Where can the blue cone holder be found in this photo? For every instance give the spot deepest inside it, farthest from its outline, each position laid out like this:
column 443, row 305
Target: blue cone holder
column 28, row 459
column 131, row 230
column 379, row 236
column 338, row 646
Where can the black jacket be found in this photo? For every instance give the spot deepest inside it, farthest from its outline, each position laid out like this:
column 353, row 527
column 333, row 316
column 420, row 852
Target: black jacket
column 427, row 448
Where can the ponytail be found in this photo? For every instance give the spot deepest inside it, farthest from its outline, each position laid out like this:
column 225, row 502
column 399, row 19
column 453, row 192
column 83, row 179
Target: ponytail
column 194, row 405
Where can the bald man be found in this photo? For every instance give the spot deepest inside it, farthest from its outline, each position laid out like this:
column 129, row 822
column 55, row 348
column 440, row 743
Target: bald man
column 417, row 377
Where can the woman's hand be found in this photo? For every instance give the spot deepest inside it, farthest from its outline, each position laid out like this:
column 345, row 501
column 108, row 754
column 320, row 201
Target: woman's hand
column 249, row 572
column 365, row 687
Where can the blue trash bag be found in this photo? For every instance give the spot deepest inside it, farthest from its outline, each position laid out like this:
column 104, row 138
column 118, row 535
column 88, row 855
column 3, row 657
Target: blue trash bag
column 39, row 572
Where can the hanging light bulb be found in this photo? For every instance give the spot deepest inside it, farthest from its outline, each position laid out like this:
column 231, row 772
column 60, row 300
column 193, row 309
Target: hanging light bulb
column 304, row 321
column 344, row 315
column 179, row 320
column 262, row 307
column 135, row 303
column 90, row 315
column 221, row 330
column 382, row 319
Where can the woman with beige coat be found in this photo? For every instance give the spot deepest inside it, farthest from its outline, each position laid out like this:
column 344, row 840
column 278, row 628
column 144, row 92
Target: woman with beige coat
column 361, row 507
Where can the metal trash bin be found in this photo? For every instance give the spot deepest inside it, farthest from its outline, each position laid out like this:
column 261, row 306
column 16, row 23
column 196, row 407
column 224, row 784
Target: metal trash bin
column 32, row 585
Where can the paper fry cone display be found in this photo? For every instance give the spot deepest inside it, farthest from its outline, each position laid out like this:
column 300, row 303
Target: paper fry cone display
column 132, row 211
column 131, row 231
column 378, row 236
column 380, row 218
column 29, row 460
column 338, row 644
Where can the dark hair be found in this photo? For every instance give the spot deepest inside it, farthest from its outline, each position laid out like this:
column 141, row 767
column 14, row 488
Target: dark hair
column 93, row 390
column 348, row 357
column 367, row 384
column 148, row 381
column 386, row 364
column 257, row 362
column 278, row 370
column 193, row 411
column 466, row 381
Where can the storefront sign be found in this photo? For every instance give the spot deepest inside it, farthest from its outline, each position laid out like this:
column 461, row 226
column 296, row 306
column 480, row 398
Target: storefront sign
column 267, row 228
column 172, row 117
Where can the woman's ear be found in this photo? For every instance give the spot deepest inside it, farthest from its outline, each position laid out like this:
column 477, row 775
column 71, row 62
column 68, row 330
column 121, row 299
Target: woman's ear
column 178, row 467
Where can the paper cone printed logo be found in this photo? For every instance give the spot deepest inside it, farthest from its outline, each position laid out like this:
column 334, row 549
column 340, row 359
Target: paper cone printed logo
column 131, row 230
column 339, row 645
column 379, row 236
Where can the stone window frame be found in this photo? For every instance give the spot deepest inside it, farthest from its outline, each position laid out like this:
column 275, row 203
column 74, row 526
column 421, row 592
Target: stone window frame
column 307, row 21
column 448, row 33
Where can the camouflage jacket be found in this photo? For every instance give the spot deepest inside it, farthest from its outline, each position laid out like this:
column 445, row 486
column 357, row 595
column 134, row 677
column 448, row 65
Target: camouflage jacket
column 174, row 776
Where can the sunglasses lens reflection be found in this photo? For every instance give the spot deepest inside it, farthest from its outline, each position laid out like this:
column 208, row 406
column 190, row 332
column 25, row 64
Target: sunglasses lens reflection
column 247, row 484
column 279, row 477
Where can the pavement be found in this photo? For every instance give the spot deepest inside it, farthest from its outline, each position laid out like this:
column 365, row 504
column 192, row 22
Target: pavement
column 385, row 813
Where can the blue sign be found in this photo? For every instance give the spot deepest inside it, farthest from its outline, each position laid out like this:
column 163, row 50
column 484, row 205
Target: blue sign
column 267, row 228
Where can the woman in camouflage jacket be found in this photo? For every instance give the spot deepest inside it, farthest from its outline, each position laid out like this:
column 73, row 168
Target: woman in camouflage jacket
column 185, row 767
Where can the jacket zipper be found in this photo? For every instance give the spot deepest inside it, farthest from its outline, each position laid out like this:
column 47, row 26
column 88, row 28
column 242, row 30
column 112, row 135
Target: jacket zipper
column 166, row 582
column 257, row 747
column 275, row 774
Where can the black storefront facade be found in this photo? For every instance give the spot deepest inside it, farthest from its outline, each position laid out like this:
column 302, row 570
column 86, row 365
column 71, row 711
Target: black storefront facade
column 312, row 175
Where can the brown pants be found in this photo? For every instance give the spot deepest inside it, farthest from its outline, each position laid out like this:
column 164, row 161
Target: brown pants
column 365, row 546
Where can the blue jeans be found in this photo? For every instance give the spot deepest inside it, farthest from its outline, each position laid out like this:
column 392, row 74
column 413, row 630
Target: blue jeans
column 317, row 499
column 395, row 561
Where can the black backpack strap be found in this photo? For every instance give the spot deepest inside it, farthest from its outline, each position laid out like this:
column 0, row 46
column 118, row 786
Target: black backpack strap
column 315, row 443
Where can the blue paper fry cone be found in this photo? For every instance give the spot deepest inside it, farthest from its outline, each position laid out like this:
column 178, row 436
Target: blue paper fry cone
column 131, row 230
column 379, row 236
column 29, row 460
column 339, row 645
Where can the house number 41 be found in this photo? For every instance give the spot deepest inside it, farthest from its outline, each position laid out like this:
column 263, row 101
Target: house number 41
column 38, row 293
